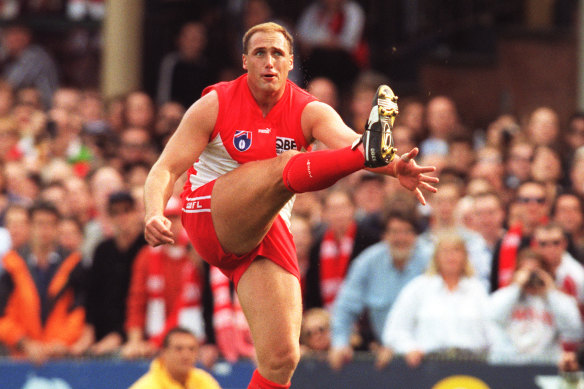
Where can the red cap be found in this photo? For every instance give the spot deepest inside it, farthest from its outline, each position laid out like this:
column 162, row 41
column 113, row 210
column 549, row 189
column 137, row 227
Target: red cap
column 173, row 207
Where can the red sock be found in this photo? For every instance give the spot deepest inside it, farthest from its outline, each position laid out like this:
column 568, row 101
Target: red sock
column 259, row 382
column 312, row 171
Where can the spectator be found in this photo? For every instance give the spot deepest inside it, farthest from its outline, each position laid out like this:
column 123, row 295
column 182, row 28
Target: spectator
column 373, row 283
column 135, row 174
column 315, row 333
column 403, row 137
column 461, row 156
column 573, row 138
column 330, row 33
column 139, row 111
column 489, row 165
column 174, row 366
column 411, row 115
column 167, row 120
column 502, row 132
column 70, row 233
column 115, row 113
column 42, row 292
column 550, row 241
column 369, row 196
column 342, row 240
column 530, row 317
column 22, row 183
column 9, row 137
column 443, row 204
column 325, row 90
column 165, row 291
column 518, row 163
column 184, row 73
column 79, row 198
column 17, row 222
column 489, row 218
column 567, row 211
column 136, row 145
column 442, row 310
column 7, row 99
column 56, row 194
column 67, row 98
column 547, row 169
column 443, row 122
column 26, row 64
column 543, row 127
column 109, row 275
column 530, row 209
column 102, row 183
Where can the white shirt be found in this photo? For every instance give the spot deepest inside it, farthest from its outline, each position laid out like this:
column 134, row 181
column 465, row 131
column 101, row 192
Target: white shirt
column 570, row 275
column 530, row 327
column 427, row 316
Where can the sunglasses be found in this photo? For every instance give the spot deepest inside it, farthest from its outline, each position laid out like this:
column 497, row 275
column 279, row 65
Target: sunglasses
column 546, row 243
column 525, row 200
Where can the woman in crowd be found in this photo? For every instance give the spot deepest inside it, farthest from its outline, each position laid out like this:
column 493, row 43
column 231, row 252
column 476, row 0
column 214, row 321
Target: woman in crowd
column 443, row 310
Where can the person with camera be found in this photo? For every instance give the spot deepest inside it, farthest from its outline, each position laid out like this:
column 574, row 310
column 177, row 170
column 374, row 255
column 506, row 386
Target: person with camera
column 530, row 319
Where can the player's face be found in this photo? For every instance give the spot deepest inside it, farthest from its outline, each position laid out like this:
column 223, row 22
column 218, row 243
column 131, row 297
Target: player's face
column 268, row 61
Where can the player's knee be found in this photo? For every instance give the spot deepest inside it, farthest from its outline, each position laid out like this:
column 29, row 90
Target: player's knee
column 283, row 359
column 287, row 156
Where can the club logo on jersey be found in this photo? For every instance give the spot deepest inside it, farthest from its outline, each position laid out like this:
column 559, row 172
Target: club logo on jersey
column 283, row 144
column 242, row 140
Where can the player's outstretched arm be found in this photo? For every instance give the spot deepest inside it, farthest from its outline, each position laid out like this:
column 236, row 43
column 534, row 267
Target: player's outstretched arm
column 182, row 150
column 321, row 122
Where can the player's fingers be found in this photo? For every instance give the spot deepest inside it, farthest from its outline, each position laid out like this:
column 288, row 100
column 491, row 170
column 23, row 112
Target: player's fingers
column 425, row 169
column 429, row 179
column 156, row 237
column 428, row 187
column 420, row 196
column 412, row 153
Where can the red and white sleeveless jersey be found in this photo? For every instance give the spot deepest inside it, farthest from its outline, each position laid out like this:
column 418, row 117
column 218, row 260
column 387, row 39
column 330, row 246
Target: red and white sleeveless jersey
column 242, row 134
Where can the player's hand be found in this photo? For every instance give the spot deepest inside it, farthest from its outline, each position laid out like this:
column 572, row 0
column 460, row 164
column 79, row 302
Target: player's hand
column 411, row 176
column 339, row 356
column 157, row 231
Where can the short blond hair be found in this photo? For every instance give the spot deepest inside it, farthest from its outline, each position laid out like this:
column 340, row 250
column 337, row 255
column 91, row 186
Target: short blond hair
column 267, row 27
column 450, row 237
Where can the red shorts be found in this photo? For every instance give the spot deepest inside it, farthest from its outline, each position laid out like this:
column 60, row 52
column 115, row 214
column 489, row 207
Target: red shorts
column 277, row 245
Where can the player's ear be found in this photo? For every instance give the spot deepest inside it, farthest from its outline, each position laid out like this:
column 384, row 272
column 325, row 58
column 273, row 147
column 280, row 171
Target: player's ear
column 244, row 61
column 291, row 65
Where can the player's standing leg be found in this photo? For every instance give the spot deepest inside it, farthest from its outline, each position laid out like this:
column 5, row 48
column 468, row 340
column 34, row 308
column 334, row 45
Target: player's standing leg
column 271, row 301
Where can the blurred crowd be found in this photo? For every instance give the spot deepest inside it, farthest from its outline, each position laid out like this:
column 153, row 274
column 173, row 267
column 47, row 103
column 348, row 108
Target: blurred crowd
column 490, row 269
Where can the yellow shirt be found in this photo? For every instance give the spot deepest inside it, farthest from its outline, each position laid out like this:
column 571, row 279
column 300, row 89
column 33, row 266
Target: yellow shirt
column 158, row 378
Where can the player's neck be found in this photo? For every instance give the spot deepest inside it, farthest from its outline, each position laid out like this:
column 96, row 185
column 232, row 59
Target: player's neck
column 266, row 100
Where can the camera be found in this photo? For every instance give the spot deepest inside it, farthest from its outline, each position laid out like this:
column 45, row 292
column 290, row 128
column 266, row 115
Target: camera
column 534, row 281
